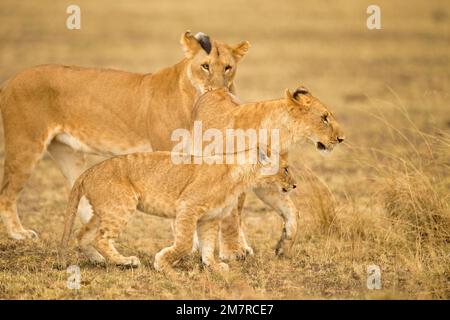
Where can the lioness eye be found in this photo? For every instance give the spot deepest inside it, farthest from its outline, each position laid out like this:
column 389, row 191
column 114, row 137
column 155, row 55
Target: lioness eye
column 286, row 170
column 325, row 118
column 205, row 66
column 227, row 67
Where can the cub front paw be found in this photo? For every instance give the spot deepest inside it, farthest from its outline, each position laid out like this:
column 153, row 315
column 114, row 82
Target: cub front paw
column 161, row 263
column 217, row 267
column 222, row 267
column 23, row 234
column 249, row 251
column 236, row 254
column 284, row 248
column 132, row 262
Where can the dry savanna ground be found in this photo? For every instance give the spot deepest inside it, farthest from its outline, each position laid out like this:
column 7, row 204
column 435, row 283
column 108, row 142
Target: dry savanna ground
column 380, row 199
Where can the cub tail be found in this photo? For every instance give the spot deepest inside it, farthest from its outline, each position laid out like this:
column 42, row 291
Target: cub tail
column 72, row 206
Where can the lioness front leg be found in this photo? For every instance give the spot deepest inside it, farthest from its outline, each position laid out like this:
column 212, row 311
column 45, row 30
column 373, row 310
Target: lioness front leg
column 284, row 206
column 207, row 236
column 185, row 225
column 232, row 242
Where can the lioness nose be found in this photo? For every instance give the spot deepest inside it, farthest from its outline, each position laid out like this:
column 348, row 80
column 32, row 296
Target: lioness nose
column 340, row 139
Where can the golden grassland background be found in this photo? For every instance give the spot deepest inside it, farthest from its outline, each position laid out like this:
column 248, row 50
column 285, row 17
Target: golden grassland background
column 382, row 198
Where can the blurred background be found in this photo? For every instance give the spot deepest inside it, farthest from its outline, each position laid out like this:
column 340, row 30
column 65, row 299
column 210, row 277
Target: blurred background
column 323, row 44
column 388, row 88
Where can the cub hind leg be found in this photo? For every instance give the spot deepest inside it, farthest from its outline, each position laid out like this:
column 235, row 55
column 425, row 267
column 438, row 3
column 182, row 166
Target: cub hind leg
column 113, row 217
column 85, row 238
column 72, row 164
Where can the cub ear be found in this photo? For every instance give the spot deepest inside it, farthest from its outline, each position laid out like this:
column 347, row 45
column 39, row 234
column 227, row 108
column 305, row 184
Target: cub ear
column 301, row 90
column 300, row 96
column 289, row 97
column 240, row 50
column 190, row 44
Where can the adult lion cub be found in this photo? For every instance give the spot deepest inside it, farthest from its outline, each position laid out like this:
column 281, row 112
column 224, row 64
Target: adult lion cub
column 299, row 116
column 70, row 111
column 197, row 196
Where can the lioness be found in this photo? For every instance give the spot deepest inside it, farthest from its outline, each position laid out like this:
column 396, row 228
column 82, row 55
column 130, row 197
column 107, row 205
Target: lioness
column 299, row 116
column 71, row 111
column 195, row 195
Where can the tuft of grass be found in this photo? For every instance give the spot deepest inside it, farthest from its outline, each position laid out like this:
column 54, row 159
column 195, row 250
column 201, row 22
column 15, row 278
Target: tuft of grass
column 412, row 186
column 413, row 199
column 320, row 201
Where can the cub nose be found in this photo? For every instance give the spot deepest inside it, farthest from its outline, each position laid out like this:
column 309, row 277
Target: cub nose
column 340, row 139
column 294, row 186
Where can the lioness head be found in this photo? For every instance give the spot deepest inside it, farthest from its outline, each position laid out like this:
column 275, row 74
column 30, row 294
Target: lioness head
column 211, row 64
column 320, row 125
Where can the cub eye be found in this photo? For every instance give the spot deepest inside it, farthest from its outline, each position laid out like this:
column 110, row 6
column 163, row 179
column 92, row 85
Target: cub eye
column 205, row 66
column 227, row 68
column 286, row 170
column 325, row 118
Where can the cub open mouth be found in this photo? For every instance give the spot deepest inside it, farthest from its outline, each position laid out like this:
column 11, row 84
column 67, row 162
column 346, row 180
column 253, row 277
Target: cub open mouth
column 321, row 146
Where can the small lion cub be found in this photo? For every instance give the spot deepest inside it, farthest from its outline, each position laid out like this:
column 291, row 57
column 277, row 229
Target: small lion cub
column 196, row 195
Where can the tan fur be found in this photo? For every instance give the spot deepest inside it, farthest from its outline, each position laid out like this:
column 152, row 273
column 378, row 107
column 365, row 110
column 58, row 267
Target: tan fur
column 197, row 196
column 72, row 111
column 299, row 116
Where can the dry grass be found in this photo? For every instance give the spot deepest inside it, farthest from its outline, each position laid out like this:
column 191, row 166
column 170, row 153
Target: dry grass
column 382, row 198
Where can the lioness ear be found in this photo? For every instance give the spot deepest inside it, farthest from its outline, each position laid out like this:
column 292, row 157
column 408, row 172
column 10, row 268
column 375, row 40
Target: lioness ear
column 204, row 41
column 190, row 44
column 240, row 50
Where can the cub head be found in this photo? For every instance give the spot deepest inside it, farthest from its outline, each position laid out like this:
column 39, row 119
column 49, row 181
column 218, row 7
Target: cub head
column 319, row 123
column 282, row 180
column 211, row 64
